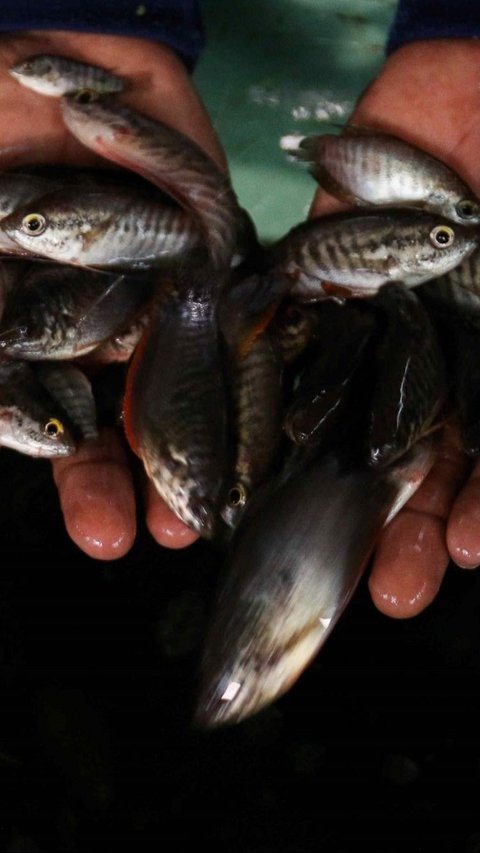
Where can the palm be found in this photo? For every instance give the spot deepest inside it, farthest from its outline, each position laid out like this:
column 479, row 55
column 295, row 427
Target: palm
column 427, row 94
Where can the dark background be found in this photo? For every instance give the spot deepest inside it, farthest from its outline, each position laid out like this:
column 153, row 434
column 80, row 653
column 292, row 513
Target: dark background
column 376, row 746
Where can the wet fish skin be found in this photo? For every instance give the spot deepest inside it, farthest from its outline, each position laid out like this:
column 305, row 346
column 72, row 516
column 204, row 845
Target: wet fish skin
column 167, row 158
column 54, row 76
column 291, row 570
column 365, row 166
column 59, row 312
column 30, row 421
column 255, row 381
column 411, row 383
column 456, row 312
column 354, row 253
column 175, row 405
column 331, row 380
column 113, row 229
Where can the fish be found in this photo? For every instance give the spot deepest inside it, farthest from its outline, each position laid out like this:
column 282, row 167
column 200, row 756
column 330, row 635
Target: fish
column 410, row 386
column 292, row 566
column 72, row 390
column 54, row 76
column 105, row 229
column 254, row 370
column 255, row 381
column 331, row 379
column 364, row 166
column 455, row 310
column 62, row 312
column 354, row 253
column 175, row 402
column 170, row 160
column 31, row 422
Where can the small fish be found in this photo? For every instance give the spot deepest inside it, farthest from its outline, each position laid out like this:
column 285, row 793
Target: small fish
column 55, row 76
column 59, row 312
column 328, row 384
column 410, row 385
column 256, row 393
column 175, row 404
column 167, row 158
column 293, row 565
column 369, row 167
column 455, row 309
column 72, row 390
column 30, row 421
column 354, row 253
column 103, row 229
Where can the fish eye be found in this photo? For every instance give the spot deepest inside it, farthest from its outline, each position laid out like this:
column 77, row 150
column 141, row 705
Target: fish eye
column 467, row 208
column 34, row 223
column 85, row 96
column 54, row 428
column 237, row 495
column 442, row 236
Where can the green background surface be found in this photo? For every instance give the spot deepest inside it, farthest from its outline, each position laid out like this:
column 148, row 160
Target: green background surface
column 276, row 68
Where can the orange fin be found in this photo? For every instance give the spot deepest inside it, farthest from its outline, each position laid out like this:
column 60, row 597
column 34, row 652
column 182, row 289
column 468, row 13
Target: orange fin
column 128, row 402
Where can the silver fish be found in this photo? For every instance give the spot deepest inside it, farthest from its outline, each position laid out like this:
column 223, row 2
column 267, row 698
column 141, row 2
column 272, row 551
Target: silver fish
column 168, row 159
column 370, row 167
column 294, row 564
column 175, row 405
column 354, row 253
column 30, row 421
column 59, row 312
column 52, row 75
column 103, row 229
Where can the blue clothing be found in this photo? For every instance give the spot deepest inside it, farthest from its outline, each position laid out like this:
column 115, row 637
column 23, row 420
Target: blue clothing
column 177, row 23
column 416, row 20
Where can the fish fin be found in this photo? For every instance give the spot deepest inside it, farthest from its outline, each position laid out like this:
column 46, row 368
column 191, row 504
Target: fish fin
column 247, row 343
column 334, row 187
column 336, row 291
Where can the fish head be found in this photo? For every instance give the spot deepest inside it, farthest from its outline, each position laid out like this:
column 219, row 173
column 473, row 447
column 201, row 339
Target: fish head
column 441, row 246
column 34, row 435
column 57, row 226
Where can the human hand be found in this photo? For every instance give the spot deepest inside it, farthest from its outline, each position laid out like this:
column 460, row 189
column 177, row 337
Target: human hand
column 427, row 93
column 96, row 488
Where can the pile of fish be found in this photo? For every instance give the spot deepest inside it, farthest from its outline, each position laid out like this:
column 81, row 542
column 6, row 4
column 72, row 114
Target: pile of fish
column 285, row 400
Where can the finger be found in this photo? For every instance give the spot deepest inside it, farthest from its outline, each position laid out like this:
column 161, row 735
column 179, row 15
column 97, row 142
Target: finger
column 463, row 530
column 97, row 497
column 412, row 555
column 163, row 524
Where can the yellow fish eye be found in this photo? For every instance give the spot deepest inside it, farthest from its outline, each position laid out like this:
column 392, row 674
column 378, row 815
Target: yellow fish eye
column 442, row 236
column 237, row 495
column 53, row 428
column 34, row 223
